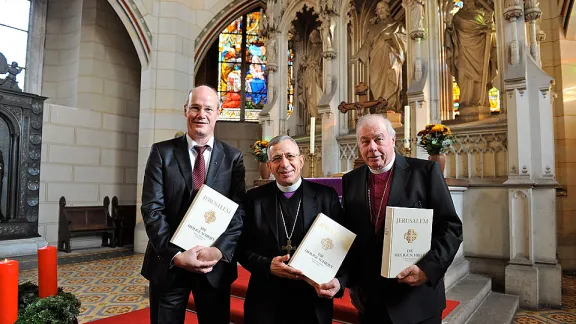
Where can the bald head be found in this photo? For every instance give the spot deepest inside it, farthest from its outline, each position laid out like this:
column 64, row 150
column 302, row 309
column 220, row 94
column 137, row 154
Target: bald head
column 200, row 90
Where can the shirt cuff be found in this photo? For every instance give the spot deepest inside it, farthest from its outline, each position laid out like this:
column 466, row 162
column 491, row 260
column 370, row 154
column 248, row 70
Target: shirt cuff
column 172, row 261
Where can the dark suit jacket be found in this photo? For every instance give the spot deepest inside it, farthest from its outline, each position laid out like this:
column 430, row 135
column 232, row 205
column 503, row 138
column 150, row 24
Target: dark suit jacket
column 166, row 196
column 416, row 183
column 259, row 244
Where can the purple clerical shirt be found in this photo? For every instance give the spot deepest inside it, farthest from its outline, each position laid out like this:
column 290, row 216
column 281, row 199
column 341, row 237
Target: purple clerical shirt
column 377, row 185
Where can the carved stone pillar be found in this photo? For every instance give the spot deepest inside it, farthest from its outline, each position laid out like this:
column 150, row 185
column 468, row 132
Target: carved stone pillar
column 533, row 272
column 531, row 15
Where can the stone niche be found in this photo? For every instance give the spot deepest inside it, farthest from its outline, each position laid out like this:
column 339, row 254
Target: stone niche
column 20, row 147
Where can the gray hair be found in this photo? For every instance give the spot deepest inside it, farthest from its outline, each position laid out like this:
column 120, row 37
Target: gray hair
column 278, row 139
column 375, row 119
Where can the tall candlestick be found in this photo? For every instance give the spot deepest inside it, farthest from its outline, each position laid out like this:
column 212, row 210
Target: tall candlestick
column 47, row 272
column 9, row 294
column 312, row 133
column 406, row 126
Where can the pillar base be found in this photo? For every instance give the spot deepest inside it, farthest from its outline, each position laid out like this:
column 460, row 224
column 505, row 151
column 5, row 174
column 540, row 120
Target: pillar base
column 550, row 279
column 473, row 113
column 522, row 280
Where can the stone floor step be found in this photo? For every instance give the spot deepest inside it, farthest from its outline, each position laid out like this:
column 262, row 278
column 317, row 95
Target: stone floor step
column 470, row 291
column 497, row 308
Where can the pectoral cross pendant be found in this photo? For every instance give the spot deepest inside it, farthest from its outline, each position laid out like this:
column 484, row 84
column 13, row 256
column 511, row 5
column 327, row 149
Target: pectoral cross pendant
column 288, row 247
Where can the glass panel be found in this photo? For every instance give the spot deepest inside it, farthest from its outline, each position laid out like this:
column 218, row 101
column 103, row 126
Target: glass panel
column 255, row 49
column 234, row 28
column 13, row 44
column 494, row 98
column 253, row 23
column 230, row 104
column 251, row 115
column 230, row 79
column 15, row 13
column 230, row 46
column 455, row 94
column 290, row 82
column 457, row 6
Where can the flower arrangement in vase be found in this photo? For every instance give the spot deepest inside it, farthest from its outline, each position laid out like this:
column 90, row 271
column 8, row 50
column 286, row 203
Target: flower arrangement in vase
column 435, row 139
column 260, row 151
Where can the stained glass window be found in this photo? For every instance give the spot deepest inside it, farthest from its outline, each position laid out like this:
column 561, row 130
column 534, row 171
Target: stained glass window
column 290, row 82
column 242, row 81
column 14, row 20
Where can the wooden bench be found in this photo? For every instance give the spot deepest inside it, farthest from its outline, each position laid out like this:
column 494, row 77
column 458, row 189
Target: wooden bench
column 85, row 220
column 125, row 219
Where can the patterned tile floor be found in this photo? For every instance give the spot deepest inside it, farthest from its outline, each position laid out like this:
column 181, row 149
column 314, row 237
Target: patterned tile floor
column 113, row 285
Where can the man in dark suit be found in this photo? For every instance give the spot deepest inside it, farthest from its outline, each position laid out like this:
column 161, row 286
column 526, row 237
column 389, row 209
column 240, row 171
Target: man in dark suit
column 175, row 171
column 417, row 294
column 278, row 215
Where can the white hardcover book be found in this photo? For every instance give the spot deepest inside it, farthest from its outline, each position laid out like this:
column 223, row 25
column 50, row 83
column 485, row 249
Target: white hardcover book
column 206, row 219
column 407, row 238
column 322, row 250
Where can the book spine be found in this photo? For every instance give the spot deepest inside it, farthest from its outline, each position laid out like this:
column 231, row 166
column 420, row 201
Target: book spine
column 388, row 232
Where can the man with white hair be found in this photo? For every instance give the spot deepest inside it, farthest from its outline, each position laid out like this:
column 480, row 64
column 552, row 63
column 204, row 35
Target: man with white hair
column 417, row 294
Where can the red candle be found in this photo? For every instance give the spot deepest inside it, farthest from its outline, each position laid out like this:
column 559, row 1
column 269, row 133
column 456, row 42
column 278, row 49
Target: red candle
column 47, row 272
column 9, row 294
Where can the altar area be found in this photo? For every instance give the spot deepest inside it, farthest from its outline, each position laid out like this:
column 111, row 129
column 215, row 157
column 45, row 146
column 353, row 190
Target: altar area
column 492, row 92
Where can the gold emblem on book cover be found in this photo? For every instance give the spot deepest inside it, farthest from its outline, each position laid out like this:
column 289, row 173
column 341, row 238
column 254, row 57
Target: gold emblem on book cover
column 210, row 216
column 327, row 244
column 411, row 235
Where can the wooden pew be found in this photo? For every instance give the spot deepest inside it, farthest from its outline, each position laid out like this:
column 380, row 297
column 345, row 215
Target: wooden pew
column 85, row 220
column 125, row 219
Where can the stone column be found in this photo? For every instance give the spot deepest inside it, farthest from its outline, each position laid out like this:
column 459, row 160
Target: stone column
column 533, row 272
column 164, row 86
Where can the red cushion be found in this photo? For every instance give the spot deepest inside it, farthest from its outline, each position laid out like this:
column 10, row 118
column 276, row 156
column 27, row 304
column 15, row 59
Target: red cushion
column 344, row 310
column 240, row 286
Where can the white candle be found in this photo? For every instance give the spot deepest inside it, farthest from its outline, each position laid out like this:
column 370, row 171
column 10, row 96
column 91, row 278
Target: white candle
column 312, row 133
column 406, row 126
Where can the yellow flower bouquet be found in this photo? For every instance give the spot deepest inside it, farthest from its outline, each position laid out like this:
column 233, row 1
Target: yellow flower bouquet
column 435, row 138
column 260, row 151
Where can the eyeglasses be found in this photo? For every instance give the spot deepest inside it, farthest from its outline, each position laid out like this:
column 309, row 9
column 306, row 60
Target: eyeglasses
column 289, row 156
column 196, row 109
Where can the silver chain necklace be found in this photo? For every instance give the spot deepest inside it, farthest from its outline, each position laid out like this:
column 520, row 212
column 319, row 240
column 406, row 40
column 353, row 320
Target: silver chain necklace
column 288, row 247
column 381, row 200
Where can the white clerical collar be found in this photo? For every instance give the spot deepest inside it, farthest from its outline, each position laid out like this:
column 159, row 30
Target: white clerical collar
column 384, row 169
column 192, row 143
column 291, row 188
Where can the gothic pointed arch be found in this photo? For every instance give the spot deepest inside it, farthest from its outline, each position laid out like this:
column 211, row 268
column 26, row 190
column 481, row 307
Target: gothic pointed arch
column 133, row 20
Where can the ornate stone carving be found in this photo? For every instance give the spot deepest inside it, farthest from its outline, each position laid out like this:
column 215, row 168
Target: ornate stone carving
column 532, row 10
column 416, row 8
column 9, row 82
column 513, row 10
column 271, row 19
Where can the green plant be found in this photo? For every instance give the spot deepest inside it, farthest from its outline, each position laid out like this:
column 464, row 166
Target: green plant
column 435, row 139
column 60, row 309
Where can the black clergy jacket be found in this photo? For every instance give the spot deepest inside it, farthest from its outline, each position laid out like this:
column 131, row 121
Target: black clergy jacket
column 416, row 183
column 166, row 197
column 259, row 243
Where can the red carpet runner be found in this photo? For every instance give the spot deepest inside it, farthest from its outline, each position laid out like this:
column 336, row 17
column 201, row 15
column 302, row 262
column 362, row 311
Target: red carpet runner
column 344, row 312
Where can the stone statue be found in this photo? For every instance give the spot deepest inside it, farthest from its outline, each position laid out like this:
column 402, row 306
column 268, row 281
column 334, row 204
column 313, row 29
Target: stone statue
column 13, row 70
column 417, row 15
column 471, row 51
column 1, row 180
column 311, row 66
column 383, row 51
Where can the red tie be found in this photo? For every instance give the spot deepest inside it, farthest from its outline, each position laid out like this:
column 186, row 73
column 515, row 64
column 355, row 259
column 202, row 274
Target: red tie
column 198, row 175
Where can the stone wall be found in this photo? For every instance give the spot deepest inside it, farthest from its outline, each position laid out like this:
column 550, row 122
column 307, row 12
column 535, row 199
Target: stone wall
column 558, row 54
column 86, row 155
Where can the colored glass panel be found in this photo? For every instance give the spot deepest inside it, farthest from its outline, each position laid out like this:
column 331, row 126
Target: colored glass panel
column 253, row 23
column 290, row 82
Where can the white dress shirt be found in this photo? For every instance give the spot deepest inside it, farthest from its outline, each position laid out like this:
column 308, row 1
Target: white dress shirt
column 385, row 168
column 193, row 154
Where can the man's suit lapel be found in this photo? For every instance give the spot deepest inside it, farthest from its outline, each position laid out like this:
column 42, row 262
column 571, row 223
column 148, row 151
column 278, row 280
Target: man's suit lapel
column 400, row 176
column 269, row 208
column 309, row 204
column 215, row 162
column 183, row 158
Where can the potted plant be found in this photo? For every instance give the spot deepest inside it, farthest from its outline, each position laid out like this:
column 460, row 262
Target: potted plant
column 60, row 309
column 435, row 139
column 260, row 151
